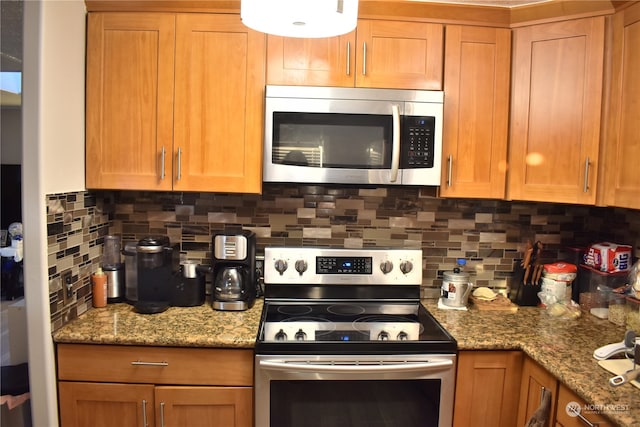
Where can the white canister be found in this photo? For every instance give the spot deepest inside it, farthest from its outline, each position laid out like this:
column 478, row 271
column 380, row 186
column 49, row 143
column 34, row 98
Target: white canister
column 456, row 288
column 556, row 281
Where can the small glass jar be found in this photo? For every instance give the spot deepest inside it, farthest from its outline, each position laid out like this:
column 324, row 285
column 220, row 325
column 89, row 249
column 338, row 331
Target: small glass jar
column 633, row 315
column 618, row 309
column 600, row 302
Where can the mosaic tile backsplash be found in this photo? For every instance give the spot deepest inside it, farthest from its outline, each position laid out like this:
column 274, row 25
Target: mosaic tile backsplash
column 490, row 234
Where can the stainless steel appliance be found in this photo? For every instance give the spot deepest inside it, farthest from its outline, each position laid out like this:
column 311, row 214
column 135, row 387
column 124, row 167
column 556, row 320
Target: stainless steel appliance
column 157, row 261
column 353, row 135
column 114, row 268
column 345, row 341
column 188, row 288
column 234, row 270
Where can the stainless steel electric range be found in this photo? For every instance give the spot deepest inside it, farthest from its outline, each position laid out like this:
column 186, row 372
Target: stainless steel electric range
column 344, row 341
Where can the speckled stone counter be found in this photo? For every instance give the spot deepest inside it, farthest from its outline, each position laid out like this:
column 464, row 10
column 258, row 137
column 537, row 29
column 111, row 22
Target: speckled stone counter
column 563, row 347
column 199, row 326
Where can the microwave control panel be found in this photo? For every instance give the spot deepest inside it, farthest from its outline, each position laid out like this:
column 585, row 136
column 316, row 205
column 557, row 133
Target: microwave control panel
column 417, row 147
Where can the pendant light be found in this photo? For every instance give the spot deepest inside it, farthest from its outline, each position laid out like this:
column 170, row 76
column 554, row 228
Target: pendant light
column 300, row 18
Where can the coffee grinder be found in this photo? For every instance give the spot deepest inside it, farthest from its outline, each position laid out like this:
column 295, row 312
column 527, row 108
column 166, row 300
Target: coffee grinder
column 234, row 270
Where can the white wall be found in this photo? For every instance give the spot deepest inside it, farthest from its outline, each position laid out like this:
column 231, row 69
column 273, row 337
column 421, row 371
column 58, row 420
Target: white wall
column 53, row 162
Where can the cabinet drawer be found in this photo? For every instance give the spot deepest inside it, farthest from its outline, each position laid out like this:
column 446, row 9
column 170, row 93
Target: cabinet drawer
column 565, row 396
column 155, row 365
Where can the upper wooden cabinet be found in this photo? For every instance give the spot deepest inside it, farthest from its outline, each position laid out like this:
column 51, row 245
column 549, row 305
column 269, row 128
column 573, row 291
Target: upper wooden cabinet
column 476, row 111
column 379, row 54
column 174, row 101
column 620, row 181
column 555, row 111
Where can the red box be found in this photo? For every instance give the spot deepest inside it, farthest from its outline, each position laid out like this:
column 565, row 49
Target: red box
column 609, row 257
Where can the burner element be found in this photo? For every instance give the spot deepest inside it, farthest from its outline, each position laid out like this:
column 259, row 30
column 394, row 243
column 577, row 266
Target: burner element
column 294, row 310
column 345, row 309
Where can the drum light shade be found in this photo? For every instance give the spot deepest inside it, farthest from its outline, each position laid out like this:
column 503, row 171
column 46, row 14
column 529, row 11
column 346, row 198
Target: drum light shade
column 300, row 18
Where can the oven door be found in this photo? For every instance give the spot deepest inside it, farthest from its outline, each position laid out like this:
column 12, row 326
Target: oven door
column 354, row 391
column 338, row 141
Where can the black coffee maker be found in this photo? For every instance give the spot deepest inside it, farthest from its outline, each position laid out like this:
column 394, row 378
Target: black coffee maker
column 157, row 261
column 233, row 269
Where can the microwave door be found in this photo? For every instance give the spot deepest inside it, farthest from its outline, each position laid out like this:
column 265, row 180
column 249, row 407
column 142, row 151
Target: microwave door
column 331, row 141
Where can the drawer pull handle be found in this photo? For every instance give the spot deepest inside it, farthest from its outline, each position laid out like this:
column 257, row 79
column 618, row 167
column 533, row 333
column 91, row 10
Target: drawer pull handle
column 144, row 413
column 581, row 417
column 141, row 363
column 161, row 414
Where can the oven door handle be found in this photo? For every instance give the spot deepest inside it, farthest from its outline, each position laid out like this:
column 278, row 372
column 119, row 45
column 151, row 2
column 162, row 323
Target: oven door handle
column 355, row 367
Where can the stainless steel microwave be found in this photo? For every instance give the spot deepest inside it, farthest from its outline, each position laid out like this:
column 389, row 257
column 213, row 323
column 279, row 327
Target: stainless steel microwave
column 352, row 135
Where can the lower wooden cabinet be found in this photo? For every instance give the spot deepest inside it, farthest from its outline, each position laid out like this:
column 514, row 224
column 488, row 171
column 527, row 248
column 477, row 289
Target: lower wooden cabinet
column 535, row 379
column 576, row 417
column 154, row 386
column 487, row 388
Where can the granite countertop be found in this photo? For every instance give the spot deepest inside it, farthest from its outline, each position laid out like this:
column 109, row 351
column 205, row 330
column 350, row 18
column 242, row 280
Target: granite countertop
column 564, row 347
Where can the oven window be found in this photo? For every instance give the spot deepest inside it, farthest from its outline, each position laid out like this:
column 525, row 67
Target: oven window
column 331, row 140
column 370, row 403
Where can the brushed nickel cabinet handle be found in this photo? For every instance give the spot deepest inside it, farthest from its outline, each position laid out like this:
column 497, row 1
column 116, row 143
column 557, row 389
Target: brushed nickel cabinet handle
column 161, row 414
column 364, row 58
column 586, row 176
column 348, row 58
column 141, row 363
column 581, row 417
column 162, row 157
column 179, row 163
column 449, row 169
column 144, row 414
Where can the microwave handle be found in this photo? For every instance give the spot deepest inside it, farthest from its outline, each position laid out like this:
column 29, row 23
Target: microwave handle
column 395, row 144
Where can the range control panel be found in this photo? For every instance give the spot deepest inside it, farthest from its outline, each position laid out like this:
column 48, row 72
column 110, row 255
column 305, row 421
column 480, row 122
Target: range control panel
column 308, row 265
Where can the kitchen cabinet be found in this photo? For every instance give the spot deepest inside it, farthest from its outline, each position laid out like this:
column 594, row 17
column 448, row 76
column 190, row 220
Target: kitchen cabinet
column 378, row 54
column 476, row 111
column 620, row 179
column 154, row 386
column 174, row 102
column 534, row 379
column 487, row 388
column 563, row 417
column 555, row 111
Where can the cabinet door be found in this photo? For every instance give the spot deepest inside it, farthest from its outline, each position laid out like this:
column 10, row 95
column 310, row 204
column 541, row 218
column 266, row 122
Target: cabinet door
column 129, row 123
column 566, row 419
column 621, row 183
column 105, row 405
column 311, row 62
column 534, row 379
column 487, row 388
column 476, row 111
column 555, row 116
column 398, row 54
column 205, row 406
column 220, row 76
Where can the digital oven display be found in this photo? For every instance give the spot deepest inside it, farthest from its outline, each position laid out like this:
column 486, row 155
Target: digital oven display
column 344, row 265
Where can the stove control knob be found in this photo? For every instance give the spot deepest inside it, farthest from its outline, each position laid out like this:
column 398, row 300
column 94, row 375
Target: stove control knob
column 383, row 336
column 386, row 266
column 301, row 266
column 281, row 336
column 300, row 335
column 406, row 267
column 402, row 336
column 280, row 266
